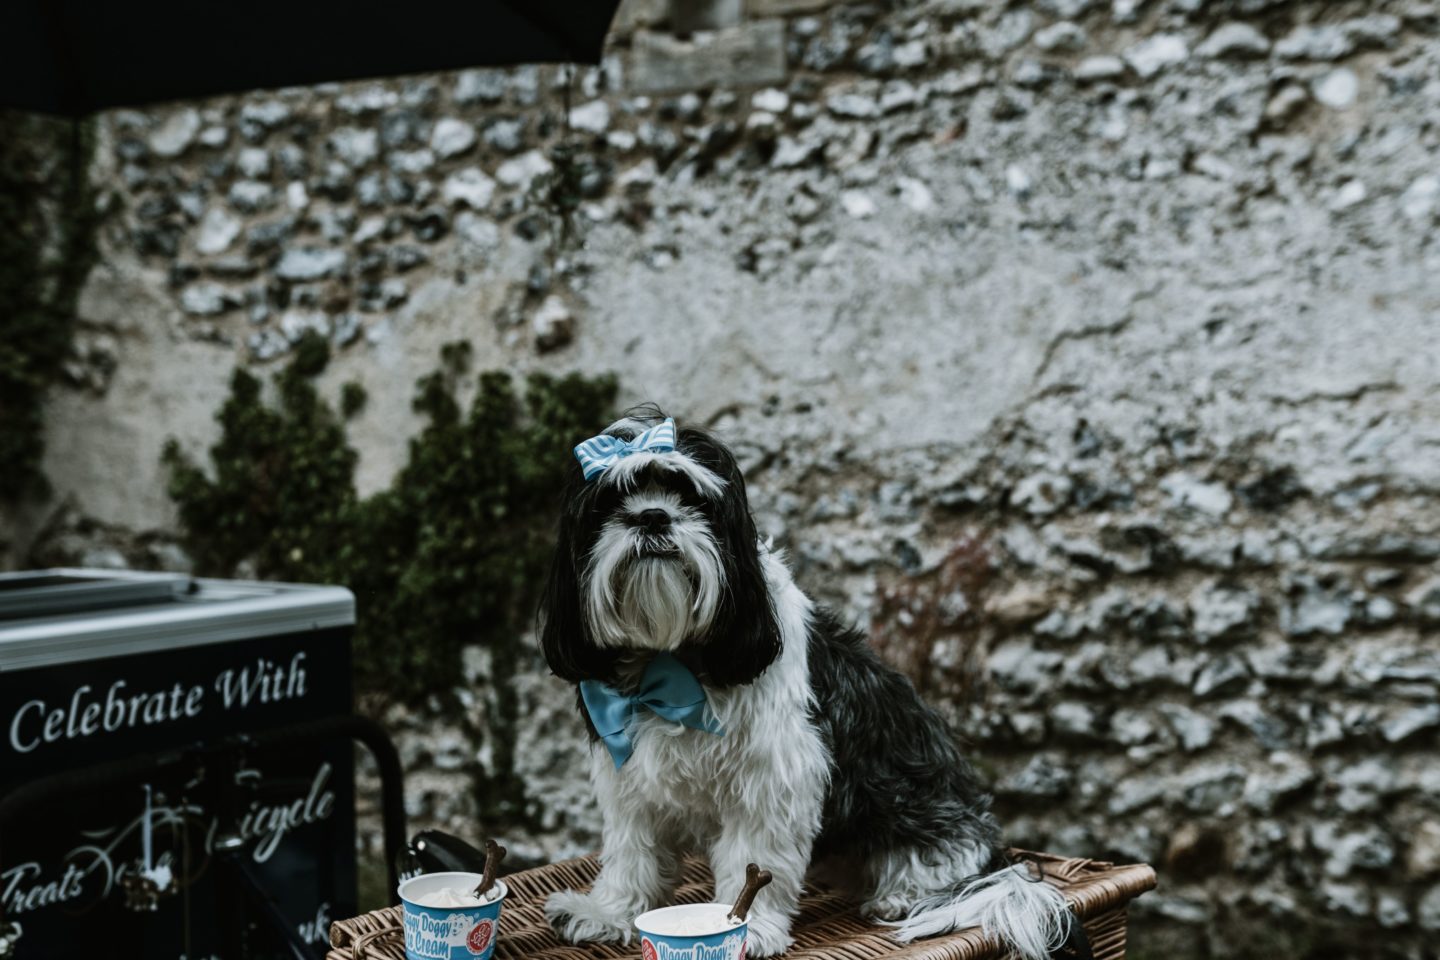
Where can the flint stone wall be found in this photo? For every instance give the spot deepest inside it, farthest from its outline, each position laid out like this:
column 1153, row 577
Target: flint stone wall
column 1087, row 352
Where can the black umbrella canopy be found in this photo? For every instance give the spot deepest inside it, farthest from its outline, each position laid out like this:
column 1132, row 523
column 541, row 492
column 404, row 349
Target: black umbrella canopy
column 73, row 57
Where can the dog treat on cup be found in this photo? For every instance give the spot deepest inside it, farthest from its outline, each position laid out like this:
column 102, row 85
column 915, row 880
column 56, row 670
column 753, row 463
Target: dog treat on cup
column 494, row 853
column 755, row 878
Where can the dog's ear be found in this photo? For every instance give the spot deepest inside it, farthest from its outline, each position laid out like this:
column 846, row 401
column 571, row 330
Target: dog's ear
column 565, row 637
column 744, row 637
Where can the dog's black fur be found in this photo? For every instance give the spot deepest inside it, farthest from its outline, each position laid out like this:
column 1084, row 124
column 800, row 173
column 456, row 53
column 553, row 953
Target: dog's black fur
column 898, row 780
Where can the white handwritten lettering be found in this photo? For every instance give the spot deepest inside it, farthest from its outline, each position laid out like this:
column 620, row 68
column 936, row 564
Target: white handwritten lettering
column 15, row 741
column 270, row 823
column 91, row 871
column 268, row 682
column 36, row 722
column 317, row 930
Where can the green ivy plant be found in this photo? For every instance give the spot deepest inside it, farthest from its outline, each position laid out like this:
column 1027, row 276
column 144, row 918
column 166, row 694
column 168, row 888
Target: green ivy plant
column 47, row 246
column 451, row 554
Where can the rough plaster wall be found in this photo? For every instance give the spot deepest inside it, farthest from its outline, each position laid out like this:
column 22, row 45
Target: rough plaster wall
column 1086, row 352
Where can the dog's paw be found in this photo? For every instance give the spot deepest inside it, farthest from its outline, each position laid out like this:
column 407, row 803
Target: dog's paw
column 887, row 908
column 769, row 936
column 580, row 918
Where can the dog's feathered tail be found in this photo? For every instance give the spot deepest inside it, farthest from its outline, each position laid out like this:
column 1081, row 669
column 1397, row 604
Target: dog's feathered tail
column 1009, row 906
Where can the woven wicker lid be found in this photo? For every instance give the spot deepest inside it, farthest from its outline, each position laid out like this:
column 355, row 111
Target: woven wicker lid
column 828, row 925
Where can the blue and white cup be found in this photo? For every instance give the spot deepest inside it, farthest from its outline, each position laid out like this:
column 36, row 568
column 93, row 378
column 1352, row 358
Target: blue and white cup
column 692, row 931
column 449, row 932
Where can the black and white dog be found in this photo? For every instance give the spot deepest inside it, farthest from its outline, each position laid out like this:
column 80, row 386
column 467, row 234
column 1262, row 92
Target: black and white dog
column 823, row 752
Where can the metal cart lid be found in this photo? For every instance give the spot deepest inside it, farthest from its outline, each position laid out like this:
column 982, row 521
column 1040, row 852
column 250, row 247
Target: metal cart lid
column 37, row 593
column 177, row 611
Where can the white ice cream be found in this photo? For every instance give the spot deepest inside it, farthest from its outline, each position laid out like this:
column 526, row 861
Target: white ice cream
column 450, row 897
column 693, row 922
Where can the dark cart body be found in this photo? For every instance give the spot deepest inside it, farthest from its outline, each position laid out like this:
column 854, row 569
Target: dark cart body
column 112, row 683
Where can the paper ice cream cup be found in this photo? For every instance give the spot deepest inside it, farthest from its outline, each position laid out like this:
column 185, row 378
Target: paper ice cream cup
column 692, row 931
column 449, row 933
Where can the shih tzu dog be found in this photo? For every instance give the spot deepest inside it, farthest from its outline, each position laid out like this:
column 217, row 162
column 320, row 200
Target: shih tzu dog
column 731, row 716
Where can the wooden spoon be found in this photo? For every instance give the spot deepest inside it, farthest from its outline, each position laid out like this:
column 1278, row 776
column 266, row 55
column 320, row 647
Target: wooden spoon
column 755, row 878
column 494, row 853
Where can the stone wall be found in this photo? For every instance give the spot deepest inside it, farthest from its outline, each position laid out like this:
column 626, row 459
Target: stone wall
column 1085, row 351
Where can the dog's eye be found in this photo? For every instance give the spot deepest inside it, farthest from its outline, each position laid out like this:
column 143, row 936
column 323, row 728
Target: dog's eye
column 605, row 500
column 689, row 496
column 678, row 483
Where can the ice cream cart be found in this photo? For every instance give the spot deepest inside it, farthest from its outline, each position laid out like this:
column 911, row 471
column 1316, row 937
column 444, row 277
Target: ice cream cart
column 177, row 766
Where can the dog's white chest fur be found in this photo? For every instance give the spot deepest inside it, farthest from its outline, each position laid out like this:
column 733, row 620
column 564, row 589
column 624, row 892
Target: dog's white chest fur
column 769, row 762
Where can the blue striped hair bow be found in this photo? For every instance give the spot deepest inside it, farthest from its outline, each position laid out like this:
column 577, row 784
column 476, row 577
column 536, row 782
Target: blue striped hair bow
column 599, row 454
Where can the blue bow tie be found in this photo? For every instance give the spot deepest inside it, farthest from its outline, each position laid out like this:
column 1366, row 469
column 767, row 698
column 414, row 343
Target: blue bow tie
column 599, row 454
column 667, row 689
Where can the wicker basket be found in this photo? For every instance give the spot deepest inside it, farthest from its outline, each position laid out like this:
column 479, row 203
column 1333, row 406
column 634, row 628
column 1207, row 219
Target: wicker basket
column 828, row 925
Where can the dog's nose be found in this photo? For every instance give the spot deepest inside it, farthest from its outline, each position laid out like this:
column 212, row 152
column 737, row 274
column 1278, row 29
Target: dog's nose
column 653, row 520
